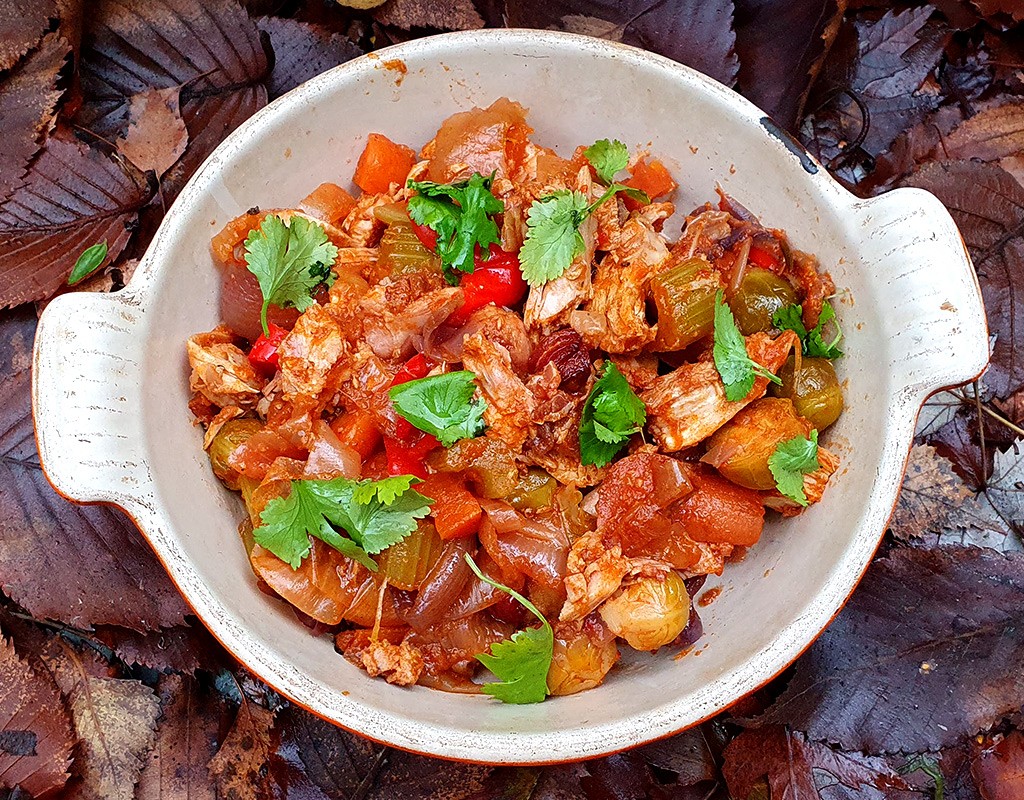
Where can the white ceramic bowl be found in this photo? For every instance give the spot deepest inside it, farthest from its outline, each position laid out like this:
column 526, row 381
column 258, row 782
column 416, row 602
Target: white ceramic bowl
column 110, row 380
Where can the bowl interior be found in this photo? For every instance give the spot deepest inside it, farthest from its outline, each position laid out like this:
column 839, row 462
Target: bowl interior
column 772, row 602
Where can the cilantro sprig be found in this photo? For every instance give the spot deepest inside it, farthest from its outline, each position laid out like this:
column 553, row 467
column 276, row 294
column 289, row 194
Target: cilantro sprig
column 522, row 662
column 737, row 368
column 608, row 158
column 791, row 460
column 611, row 414
column 442, row 405
column 290, row 261
column 374, row 514
column 553, row 239
column 461, row 216
column 790, row 318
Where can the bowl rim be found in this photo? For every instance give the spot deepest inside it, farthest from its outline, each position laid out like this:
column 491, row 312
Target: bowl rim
column 629, row 732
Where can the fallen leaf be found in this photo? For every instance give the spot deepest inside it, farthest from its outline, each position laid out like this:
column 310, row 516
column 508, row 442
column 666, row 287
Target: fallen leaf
column 910, row 149
column 987, row 205
column 115, row 721
column 1000, row 12
column 73, row 197
column 919, row 656
column 239, row 769
column 998, row 768
column 788, row 761
column 156, row 135
column 686, row 754
column 184, row 648
column 1005, row 490
column 697, row 33
column 22, row 24
column 79, row 564
column 593, row 26
column 28, row 101
column 302, row 51
column 446, row 15
column 778, row 79
column 993, row 134
column 412, row 777
column 35, row 730
column 186, row 740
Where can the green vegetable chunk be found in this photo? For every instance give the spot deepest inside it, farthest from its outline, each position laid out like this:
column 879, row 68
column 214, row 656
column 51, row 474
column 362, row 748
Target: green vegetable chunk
column 442, row 405
column 737, row 368
column 608, row 158
column 791, row 460
column 522, row 662
column 87, row 263
column 611, row 414
column 290, row 261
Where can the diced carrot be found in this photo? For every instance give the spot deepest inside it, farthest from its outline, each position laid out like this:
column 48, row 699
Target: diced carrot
column 455, row 511
column 719, row 511
column 382, row 163
column 357, row 430
column 328, row 202
column 651, row 177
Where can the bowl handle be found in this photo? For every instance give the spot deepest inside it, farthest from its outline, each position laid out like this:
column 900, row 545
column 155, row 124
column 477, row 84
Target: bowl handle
column 87, row 399
column 930, row 306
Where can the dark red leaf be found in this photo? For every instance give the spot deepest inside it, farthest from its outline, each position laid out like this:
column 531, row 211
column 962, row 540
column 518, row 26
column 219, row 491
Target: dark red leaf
column 778, row 78
column 998, row 768
column 32, row 713
column 697, row 33
column 1001, row 12
column 958, row 440
column 446, row 15
column 184, row 648
column 919, row 656
column 22, row 24
column 687, row 755
column 412, row 777
column 28, row 100
column 302, row 51
column 988, row 207
column 79, row 564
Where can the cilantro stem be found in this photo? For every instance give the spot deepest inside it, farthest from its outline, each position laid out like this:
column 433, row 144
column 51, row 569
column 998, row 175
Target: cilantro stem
column 529, row 606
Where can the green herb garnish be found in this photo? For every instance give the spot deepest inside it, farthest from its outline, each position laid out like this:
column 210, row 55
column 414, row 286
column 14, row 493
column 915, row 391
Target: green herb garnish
column 737, row 368
column 611, row 414
column 608, row 158
column 792, row 460
column 790, row 318
column 88, row 263
column 442, row 405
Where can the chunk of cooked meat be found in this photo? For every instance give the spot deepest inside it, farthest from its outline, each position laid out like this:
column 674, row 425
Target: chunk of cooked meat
column 816, row 286
column 689, row 404
column 399, row 313
column 361, row 228
column 308, row 353
column 703, row 235
column 221, row 372
column 500, row 325
column 510, row 405
column 814, row 486
column 401, row 664
column 594, row 571
column 640, row 371
column 615, row 319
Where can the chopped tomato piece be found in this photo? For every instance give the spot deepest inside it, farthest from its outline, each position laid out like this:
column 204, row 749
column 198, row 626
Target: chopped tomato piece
column 328, row 202
column 406, row 456
column 382, row 163
column 357, row 430
column 456, row 511
column 719, row 511
column 651, row 177
column 263, row 355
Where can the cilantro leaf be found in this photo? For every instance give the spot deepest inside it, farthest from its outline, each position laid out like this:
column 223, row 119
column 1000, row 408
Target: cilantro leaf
column 522, row 662
column 737, row 368
column 289, row 261
column 442, row 405
column 790, row 318
column 319, row 507
column 607, row 157
column 611, row 414
column 460, row 214
column 553, row 238
column 88, row 262
column 792, row 460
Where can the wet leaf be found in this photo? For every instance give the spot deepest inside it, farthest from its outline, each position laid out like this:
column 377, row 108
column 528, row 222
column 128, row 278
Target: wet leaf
column 988, row 207
column 156, row 135
column 998, row 768
column 239, row 769
column 28, row 100
column 918, row 658
column 184, row 648
column 79, row 564
column 697, row 33
column 35, row 729
column 302, row 51
column 22, row 24
column 1005, row 490
column 72, row 198
column 446, row 15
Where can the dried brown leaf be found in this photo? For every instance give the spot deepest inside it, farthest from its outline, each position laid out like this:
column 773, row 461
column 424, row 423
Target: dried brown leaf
column 302, row 51
column 156, row 135
column 697, row 33
column 998, row 768
column 919, row 656
column 988, row 207
column 184, row 648
column 28, row 101
column 22, row 24
column 686, row 754
column 776, row 78
column 73, row 197
column 240, row 768
column 992, row 134
column 78, row 564
column 186, row 740
column 593, row 26
column 1005, row 490
column 35, row 729
column 447, row 15
column 1001, row 12
column 412, row 777
column 115, row 721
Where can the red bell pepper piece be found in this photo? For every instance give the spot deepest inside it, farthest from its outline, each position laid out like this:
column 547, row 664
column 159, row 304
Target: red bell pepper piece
column 763, row 259
column 407, row 456
column 427, row 236
column 412, row 370
column 263, row 355
column 497, row 280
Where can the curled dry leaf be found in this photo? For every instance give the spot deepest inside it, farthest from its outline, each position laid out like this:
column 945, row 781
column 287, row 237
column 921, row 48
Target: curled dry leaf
column 35, row 729
column 73, row 197
column 446, row 15
column 998, row 768
column 22, row 24
column 302, row 51
column 988, row 207
column 908, row 665
column 80, row 564
column 697, row 33
column 156, row 135
column 115, row 721
column 28, row 100
column 240, row 768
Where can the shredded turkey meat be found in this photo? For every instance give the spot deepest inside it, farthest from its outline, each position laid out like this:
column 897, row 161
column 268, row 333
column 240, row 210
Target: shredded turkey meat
column 308, row 353
column 221, row 371
column 510, row 406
